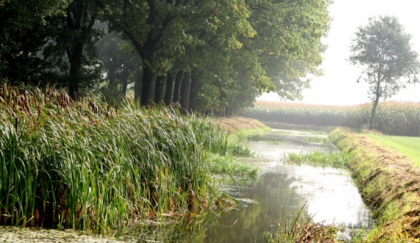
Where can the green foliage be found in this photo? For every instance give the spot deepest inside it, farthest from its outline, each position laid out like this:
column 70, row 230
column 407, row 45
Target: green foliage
column 84, row 165
column 332, row 159
column 384, row 50
column 235, row 50
column 226, row 165
column 240, row 150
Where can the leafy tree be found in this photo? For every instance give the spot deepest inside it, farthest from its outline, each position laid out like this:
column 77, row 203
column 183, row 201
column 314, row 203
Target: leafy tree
column 161, row 31
column 72, row 46
column 121, row 63
column 288, row 41
column 384, row 50
column 23, row 32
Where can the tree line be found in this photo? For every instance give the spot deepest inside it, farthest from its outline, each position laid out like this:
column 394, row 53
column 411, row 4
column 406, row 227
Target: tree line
column 206, row 55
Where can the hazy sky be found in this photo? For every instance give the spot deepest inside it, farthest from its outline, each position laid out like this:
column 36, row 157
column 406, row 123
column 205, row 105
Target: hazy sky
column 338, row 85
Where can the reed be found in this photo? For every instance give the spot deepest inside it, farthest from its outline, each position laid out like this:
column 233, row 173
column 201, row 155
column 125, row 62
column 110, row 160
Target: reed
column 395, row 118
column 331, row 159
column 85, row 165
column 303, row 229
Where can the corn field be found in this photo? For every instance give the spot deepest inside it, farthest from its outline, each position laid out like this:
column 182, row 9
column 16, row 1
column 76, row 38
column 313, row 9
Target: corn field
column 392, row 118
column 85, row 165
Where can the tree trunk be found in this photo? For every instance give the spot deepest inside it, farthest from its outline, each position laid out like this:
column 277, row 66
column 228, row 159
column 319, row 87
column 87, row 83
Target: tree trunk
column 125, row 74
column 111, row 77
column 193, row 92
column 148, row 87
column 185, row 95
column 138, row 87
column 75, row 59
column 170, row 85
column 178, row 84
column 375, row 103
column 160, row 89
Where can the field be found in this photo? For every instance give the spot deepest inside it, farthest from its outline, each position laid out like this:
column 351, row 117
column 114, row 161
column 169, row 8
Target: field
column 391, row 117
column 408, row 146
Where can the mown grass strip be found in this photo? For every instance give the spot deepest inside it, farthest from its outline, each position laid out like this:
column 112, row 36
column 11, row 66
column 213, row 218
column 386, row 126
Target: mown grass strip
column 389, row 185
column 408, row 146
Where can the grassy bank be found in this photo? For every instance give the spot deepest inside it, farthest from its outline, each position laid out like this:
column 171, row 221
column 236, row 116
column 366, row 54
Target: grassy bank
column 389, row 184
column 84, row 165
column 391, row 117
column 240, row 128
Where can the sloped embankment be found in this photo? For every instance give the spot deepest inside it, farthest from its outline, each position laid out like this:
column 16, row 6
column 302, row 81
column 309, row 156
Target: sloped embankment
column 240, row 127
column 389, row 184
column 234, row 124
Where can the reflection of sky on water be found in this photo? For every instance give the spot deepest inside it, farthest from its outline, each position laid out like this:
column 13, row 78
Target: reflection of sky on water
column 329, row 193
column 331, row 196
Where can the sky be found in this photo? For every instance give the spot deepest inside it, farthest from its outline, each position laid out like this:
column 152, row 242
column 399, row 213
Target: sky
column 338, row 85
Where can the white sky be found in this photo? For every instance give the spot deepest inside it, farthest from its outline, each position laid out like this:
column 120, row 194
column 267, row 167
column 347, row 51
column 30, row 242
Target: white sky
column 338, row 85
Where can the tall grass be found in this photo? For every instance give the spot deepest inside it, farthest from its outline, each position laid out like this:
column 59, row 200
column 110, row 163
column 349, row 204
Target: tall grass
column 331, row 159
column 391, row 117
column 84, row 165
column 303, row 229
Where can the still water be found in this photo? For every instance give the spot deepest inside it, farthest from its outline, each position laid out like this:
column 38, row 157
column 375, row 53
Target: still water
column 328, row 193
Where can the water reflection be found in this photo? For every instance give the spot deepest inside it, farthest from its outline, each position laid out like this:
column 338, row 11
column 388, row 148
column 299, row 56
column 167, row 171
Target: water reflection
column 283, row 189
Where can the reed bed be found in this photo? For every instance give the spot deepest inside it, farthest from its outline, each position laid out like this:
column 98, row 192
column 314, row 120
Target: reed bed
column 85, row 165
column 394, row 118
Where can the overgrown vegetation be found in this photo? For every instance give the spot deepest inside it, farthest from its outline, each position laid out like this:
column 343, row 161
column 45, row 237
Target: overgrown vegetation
column 391, row 118
column 84, row 165
column 227, row 165
column 302, row 230
column 331, row 159
column 240, row 150
column 389, row 185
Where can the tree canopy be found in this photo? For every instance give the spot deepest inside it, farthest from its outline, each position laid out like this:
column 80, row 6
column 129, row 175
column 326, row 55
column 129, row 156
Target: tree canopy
column 207, row 55
column 384, row 50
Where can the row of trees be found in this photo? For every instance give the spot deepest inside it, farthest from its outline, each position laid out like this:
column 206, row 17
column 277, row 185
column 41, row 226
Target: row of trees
column 204, row 54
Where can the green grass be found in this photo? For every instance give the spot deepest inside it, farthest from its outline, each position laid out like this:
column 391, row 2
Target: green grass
column 332, row 159
column 239, row 150
column 408, row 146
column 243, row 134
column 227, row 165
column 389, row 189
column 84, row 165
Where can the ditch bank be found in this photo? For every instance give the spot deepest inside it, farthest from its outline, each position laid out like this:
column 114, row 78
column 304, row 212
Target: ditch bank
column 240, row 127
column 389, row 184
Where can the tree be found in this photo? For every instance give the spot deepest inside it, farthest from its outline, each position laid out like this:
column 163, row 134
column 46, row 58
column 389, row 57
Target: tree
column 71, row 46
column 384, row 50
column 23, row 32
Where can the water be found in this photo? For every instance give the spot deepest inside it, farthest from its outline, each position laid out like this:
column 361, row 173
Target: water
column 329, row 194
